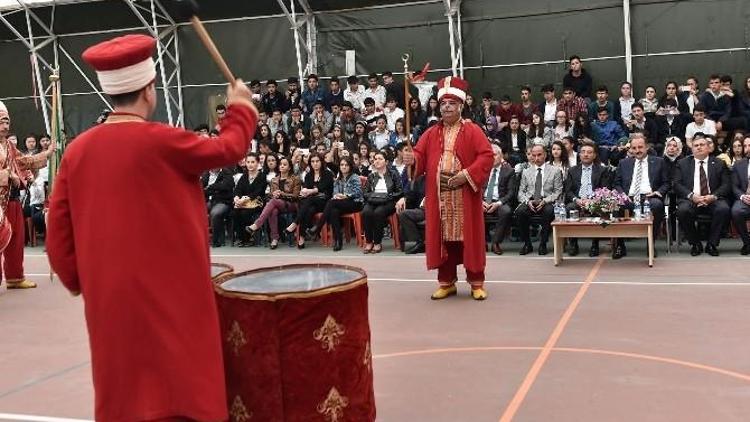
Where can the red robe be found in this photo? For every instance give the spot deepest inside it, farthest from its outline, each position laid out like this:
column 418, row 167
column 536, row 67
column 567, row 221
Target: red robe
column 473, row 150
column 128, row 229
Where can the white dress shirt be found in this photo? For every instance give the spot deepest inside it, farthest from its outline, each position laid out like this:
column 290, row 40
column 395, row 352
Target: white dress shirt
column 645, row 187
column 550, row 110
column 356, row 98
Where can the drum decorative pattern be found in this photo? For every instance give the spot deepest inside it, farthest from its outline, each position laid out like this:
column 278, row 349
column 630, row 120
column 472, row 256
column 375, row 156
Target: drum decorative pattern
column 293, row 357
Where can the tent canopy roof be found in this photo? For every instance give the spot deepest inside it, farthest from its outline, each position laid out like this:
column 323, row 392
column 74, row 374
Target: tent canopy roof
column 74, row 16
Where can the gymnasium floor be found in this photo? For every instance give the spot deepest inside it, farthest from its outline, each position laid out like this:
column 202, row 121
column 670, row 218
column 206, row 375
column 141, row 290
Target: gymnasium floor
column 591, row 340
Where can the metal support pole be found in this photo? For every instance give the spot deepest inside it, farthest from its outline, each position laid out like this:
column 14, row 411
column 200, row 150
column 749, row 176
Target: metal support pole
column 452, row 38
column 178, row 71
column 628, row 45
column 160, row 63
column 295, row 28
column 460, row 42
column 453, row 11
column 41, row 91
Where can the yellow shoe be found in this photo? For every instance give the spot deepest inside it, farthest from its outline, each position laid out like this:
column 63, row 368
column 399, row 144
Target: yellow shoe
column 23, row 284
column 444, row 292
column 478, row 294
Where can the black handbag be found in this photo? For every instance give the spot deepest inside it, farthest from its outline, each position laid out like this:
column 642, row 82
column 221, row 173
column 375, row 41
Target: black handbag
column 378, row 198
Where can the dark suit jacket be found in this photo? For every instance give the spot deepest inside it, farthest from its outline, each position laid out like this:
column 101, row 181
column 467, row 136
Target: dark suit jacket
column 718, row 178
column 651, row 130
column 664, row 129
column 739, row 178
column 222, row 191
column 506, row 141
column 507, row 185
column 600, row 178
column 658, row 176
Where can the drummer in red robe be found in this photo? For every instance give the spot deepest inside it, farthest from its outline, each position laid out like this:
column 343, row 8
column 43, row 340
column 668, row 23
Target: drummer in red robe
column 15, row 175
column 456, row 157
column 128, row 231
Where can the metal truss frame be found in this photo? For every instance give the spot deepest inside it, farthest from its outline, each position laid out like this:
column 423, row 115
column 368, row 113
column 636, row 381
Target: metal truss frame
column 453, row 13
column 307, row 20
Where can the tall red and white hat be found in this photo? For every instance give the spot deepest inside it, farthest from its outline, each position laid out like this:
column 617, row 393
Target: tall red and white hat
column 452, row 87
column 123, row 64
column 4, row 111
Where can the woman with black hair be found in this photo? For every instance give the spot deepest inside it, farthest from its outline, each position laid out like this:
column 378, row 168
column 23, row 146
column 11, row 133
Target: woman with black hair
column 317, row 188
column 417, row 116
column 671, row 92
column 285, row 189
column 582, row 128
column 347, row 198
column 433, row 109
column 281, row 143
column 558, row 157
column 384, row 188
column 270, row 169
column 248, row 198
column 263, row 134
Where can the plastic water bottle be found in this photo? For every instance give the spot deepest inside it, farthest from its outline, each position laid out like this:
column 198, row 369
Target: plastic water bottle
column 637, row 207
column 646, row 208
column 560, row 213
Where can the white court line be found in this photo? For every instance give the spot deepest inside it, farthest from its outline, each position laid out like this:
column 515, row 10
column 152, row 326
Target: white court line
column 36, row 418
column 633, row 283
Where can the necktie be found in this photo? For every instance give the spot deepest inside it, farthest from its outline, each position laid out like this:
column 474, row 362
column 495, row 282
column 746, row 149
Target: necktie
column 638, row 178
column 703, row 180
column 586, row 190
column 491, row 187
column 538, row 184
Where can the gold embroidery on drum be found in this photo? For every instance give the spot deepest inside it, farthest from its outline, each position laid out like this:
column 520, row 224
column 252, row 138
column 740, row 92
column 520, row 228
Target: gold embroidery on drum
column 368, row 357
column 236, row 338
column 333, row 406
column 238, row 411
column 329, row 334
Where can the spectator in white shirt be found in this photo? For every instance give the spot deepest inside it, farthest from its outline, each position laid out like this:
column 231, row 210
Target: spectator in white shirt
column 355, row 93
column 375, row 91
column 392, row 113
column 549, row 105
column 380, row 137
column 699, row 124
column 626, row 101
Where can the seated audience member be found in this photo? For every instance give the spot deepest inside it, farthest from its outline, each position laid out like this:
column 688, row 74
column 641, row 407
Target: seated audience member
column 334, row 95
column 702, row 184
column 317, row 189
column 558, row 157
column 513, row 140
column 583, row 179
column 548, row 107
column 375, row 91
column 383, row 189
column 570, row 149
column 218, row 185
column 699, row 124
column 602, row 101
column 410, row 209
column 626, row 101
column 371, row 114
column 392, row 113
column 347, row 198
column 321, row 118
column 541, row 185
column 573, row 105
column 642, row 177
column 734, row 117
column 526, row 108
column 285, row 189
column 735, row 152
column 649, row 102
column 669, row 122
column 499, row 197
column 248, row 198
column 672, row 94
column 505, row 111
column 561, row 127
column 711, row 100
column 537, row 130
column 638, row 122
column 607, row 134
column 380, row 136
column 295, row 119
column 741, row 207
column 578, row 78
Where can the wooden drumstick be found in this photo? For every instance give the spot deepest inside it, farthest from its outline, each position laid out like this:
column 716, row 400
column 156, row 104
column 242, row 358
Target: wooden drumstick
column 190, row 8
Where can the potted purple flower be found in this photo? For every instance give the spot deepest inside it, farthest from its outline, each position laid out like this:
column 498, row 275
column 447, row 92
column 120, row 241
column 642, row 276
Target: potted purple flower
column 605, row 202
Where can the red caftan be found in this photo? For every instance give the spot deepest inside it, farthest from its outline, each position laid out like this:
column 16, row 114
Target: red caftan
column 473, row 151
column 128, row 229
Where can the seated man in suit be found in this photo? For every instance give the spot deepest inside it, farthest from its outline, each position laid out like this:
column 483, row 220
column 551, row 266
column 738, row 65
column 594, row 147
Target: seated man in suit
column 541, row 185
column 499, row 195
column 643, row 177
column 583, row 179
column 702, row 185
column 410, row 211
column 741, row 207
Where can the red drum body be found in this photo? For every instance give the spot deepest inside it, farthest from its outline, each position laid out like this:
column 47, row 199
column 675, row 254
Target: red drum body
column 297, row 344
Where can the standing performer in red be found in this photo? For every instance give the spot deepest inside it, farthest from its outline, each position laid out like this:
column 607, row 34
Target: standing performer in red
column 128, row 230
column 14, row 174
column 457, row 158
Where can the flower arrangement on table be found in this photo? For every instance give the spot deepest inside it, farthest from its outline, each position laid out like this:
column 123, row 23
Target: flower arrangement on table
column 605, row 202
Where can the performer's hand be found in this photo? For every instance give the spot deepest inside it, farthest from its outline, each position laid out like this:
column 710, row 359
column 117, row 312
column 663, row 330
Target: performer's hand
column 457, row 180
column 239, row 93
column 444, row 181
column 408, row 157
column 400, row 205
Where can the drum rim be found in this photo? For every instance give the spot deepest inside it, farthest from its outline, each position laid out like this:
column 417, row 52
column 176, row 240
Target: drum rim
column 219, row 278
column 272, row 297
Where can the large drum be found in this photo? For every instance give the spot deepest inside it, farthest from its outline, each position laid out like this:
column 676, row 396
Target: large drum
column 297, row 344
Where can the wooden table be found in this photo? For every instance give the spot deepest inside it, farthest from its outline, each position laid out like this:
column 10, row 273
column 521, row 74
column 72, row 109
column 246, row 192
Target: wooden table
column 586, row 228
